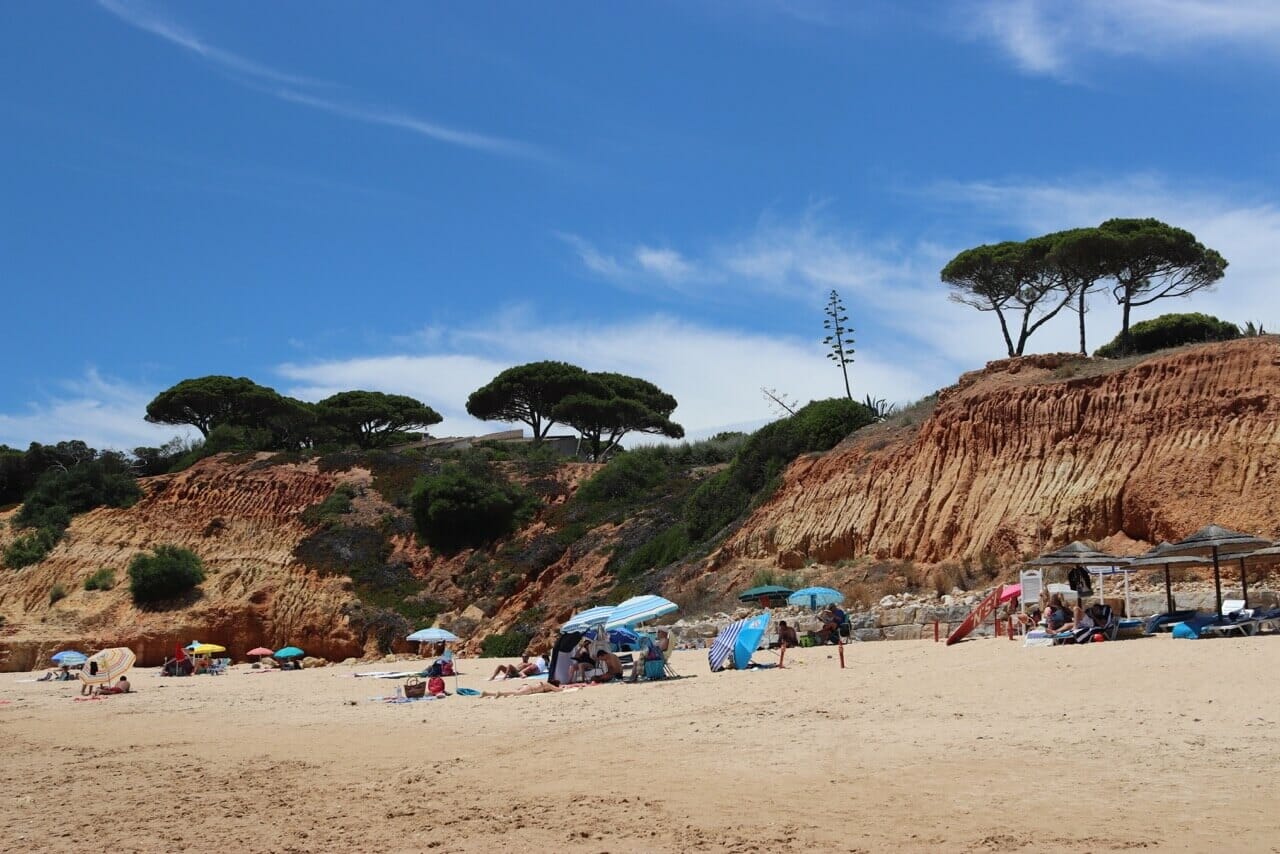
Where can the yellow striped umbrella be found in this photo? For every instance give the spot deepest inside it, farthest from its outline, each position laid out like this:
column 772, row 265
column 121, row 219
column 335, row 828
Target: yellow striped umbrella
column 110, row 664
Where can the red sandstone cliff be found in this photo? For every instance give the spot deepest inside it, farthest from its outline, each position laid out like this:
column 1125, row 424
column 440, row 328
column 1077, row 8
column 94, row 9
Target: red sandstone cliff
column 1039, row 451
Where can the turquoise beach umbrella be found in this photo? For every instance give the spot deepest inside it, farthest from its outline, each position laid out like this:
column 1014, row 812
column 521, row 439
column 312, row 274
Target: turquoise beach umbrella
column 815, row 597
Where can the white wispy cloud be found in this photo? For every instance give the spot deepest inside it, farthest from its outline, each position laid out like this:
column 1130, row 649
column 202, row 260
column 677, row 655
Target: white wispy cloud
column 1053, row 37
column 715, row 373
column 665, row 263
column 309, row 91
column 104, row 412
column 895, row 282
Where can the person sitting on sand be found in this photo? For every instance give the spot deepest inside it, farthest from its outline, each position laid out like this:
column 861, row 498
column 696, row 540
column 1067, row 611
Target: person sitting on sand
column 1058, row 617
column 121, row 687
column 583, row 661
column 551, row 686
column 832, row 618
column 612, row 667
column 655, row 650
column 523, row 670
column 787, row 635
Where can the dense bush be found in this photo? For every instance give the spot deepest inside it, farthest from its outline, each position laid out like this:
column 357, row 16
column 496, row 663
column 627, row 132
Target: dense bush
column 1169, row 330
column 726, row 495
column 628, row 478
column 507, row 645
column 666, row 547
column 467, row 505
column 103, row 579
column 168, row 572
column 57, row 593
column 30, row 548
column 328, row 512
column 385, row 625
column 58, row 495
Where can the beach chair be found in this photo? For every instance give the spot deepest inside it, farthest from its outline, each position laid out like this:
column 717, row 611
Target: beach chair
column 218, row 667
column 1235, row 619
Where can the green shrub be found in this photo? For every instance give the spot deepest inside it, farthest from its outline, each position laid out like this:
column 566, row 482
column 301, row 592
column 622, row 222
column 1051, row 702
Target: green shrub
column 726, row 495
column 31, row 548
column 507, row 645
column 385, row 625
column 328, row 511
column 1169, row 330
column 103, row 579
column 665, row 548
column 468, row 505
column 628, row 478
column 57, row 593
column 168, row 572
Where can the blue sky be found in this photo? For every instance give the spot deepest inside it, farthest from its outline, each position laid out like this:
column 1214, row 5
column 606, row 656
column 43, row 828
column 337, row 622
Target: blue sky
column 410, row 197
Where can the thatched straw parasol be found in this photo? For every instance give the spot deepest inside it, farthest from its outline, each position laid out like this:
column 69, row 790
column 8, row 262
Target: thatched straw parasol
column 1160, row 556
column 1077, row 554
column 1216, row 541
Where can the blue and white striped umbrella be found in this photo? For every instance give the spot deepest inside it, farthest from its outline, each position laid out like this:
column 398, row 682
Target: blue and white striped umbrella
column 739, row 640
column 70, row 658
column 590, row 618
column 639, row 609
column 433, row 636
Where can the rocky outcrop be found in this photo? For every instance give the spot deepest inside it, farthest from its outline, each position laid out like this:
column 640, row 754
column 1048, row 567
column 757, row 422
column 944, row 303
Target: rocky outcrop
column 1036, row 452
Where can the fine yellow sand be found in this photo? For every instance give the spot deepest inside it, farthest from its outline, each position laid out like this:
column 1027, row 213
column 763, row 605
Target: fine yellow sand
column 1153, row 743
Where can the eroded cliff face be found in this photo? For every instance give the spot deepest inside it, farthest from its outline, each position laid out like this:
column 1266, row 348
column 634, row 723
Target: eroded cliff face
column 1039, row 451
column 242, row 517
column 241, row 520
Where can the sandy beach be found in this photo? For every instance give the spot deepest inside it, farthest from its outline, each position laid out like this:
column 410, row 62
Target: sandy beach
column 1153, row 743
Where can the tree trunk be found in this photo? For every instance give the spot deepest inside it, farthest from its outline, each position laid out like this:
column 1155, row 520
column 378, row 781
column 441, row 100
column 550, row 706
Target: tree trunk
column 1004, row 330
column 1083, row 350
column 1124, row 326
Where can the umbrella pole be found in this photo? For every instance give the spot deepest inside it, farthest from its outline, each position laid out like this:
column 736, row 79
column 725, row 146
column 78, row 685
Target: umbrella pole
column 1244, row 584
column 1168, row 589
column 1217, row 583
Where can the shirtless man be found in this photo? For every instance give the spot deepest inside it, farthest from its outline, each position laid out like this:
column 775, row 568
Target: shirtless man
column 612, row 667
column 122, row 687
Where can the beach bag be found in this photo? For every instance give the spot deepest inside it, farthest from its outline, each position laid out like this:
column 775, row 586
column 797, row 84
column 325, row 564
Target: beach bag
column 446, row 668
column 414, row 688
column 435, row 686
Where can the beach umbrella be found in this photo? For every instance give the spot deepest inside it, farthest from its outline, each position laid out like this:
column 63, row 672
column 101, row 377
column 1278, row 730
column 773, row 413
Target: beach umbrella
column 110, row 663
column 815, row 597
column 1159, row 556
column 208, row 649
column 737, row 643
column 433, row 636
column 1216, row 541
column 70, row 658
column 639, row 609
column 289, row 652
column 764, row 595
column 584, row 620
column 259, row 651
column 1077, row 554
column 619, row 637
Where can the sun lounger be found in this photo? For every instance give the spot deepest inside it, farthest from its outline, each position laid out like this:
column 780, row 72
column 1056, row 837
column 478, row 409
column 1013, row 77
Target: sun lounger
column 1166, row 622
